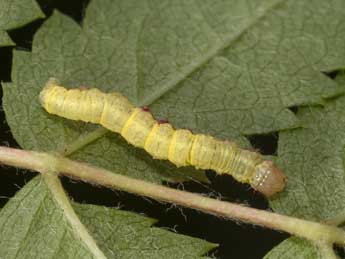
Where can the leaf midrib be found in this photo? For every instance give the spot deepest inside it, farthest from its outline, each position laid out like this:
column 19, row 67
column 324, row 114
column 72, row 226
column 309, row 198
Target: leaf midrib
column 78, row 228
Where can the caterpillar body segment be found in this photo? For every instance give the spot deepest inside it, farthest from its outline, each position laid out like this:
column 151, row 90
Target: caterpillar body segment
column 160, row 139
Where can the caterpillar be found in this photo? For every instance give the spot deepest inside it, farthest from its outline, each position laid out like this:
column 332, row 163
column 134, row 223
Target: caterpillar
column 180, row 146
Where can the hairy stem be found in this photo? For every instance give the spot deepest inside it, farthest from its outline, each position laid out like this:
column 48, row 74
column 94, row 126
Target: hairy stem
column 44, row 162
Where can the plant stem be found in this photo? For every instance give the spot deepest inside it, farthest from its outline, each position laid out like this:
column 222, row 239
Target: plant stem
column 44, row 162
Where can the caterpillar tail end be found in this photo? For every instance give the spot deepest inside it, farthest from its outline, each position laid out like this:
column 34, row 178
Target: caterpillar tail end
column 268, row 179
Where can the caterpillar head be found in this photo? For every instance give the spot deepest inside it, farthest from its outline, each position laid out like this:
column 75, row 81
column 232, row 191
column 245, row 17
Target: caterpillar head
column 268, row 179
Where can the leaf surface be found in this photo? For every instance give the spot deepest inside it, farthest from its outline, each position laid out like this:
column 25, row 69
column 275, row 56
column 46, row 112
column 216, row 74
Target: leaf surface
column 33, row 225
column 16, row 13
column 295, row 248
column 313, row 159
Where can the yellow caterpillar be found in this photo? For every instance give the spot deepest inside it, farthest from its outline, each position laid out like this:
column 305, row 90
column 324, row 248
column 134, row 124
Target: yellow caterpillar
column 181, row 147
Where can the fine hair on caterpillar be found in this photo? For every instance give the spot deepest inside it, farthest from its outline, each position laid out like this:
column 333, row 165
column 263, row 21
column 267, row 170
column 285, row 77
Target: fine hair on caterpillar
column 180, row 146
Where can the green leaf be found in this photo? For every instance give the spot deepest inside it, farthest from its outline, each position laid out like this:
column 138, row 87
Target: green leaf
column 227, row 68
column 33, row 225
column 16, row 13
column 189, row 61
column 295, row 248
column 5, row 40
column 313, row 159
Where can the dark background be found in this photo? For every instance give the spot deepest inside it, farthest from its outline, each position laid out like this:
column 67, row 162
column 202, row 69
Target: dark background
column 236, row 240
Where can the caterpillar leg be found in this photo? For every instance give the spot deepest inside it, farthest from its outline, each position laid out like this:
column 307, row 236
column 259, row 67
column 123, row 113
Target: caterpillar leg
column 268, row 179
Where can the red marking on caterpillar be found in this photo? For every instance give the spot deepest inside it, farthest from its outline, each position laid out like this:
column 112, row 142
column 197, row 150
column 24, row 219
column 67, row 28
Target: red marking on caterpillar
column 162, row 121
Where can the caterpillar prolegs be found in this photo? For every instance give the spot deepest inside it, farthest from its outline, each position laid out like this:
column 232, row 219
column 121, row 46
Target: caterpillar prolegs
column 180, row 146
